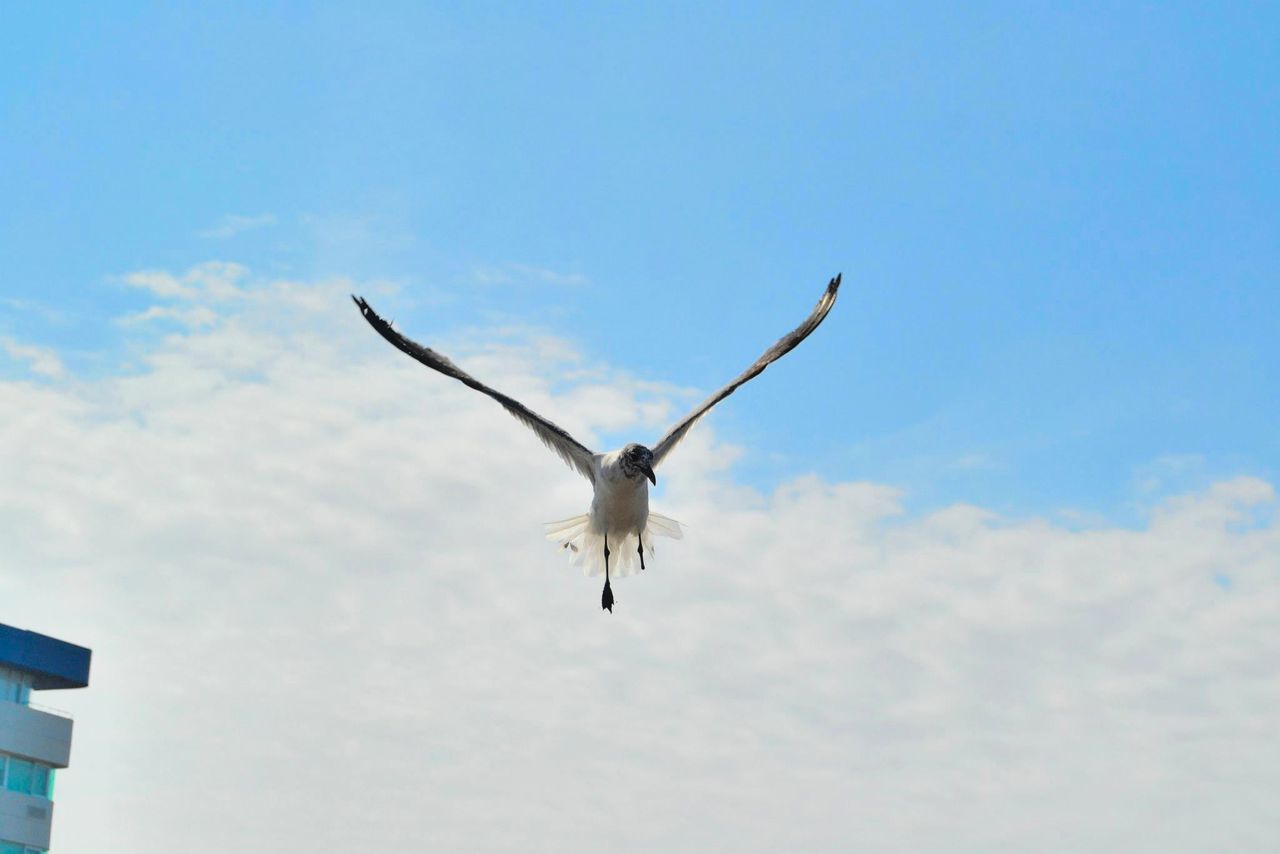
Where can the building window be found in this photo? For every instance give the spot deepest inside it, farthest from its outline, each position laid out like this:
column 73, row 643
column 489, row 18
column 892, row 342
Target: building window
column 25, row 776
column 15, row 686
column 15, row 848
column 19, row 777
column 41, row 776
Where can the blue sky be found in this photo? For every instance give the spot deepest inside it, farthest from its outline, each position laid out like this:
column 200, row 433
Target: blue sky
column 1056, row 225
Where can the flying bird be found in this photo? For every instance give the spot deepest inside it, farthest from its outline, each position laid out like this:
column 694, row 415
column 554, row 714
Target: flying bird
column 619, row 514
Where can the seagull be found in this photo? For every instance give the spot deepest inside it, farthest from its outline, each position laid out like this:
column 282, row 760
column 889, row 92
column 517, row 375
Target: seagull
column 620, row 479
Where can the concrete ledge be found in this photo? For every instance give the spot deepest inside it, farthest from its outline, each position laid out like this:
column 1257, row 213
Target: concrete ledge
column 25, row 819
column 34, row 734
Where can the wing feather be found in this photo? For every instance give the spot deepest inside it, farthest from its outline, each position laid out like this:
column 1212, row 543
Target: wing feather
column 573, row 452
column 777, row 351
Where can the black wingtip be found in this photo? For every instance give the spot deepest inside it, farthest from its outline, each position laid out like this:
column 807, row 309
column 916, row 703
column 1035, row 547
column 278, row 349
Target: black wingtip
column 376, row 320
column 834, row 284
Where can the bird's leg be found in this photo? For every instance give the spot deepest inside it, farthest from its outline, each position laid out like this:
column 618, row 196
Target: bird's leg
column 606, row 598
column 640, row 550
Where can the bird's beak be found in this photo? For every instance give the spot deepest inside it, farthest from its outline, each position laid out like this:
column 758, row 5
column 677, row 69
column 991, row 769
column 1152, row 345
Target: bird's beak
column 648, row 471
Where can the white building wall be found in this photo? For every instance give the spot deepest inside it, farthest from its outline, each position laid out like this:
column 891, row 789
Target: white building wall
column 37, row 735
column 25, row 819
column 43, row 737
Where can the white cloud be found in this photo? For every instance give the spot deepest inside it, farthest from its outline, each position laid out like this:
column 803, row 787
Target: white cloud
column 46, row 313
column 503, row 274
column 1168, row 472
column 971, row 462
column 233, row 224
column 40, row 360
column 213, row 280
column 192, row 317
column 323, row 616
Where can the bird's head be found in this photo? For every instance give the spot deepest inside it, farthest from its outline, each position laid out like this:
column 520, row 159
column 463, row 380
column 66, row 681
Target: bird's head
column 637, row 461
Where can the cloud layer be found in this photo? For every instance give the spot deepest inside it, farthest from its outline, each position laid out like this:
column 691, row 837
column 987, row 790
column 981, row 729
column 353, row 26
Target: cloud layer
column 39, row 360
column 232, row 224
column 323, row 616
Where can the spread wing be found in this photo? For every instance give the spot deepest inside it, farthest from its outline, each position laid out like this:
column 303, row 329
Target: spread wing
column 570, row 449
column 777, row 351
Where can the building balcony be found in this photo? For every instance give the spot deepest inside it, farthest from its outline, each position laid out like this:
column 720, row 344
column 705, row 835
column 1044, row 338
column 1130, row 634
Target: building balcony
column 35, row 734
column 26, row 819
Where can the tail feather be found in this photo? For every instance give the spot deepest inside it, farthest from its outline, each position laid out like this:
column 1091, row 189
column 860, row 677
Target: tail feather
column 664, row 526
column 566, row 528
column 586, row 547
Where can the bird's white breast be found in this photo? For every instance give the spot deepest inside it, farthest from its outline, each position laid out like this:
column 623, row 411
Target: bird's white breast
column 621, row 504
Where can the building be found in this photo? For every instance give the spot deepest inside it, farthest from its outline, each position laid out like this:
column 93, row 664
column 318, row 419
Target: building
column 34, row 741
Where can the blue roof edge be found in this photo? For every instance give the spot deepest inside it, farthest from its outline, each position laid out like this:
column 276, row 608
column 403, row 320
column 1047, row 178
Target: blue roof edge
column 53, row 663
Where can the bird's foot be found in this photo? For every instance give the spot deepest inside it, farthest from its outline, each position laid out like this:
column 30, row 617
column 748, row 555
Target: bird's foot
column 606, row 598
